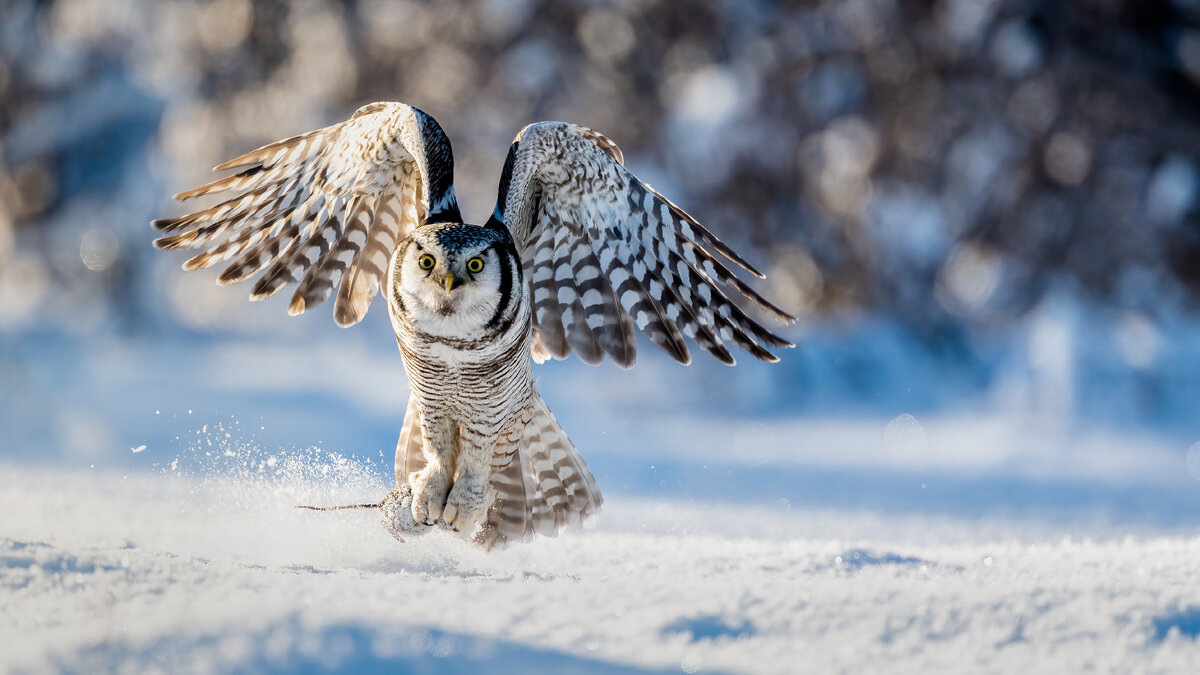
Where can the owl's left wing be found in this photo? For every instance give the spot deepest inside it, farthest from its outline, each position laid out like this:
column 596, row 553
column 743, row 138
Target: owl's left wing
column 605, row 251
column 329, row 204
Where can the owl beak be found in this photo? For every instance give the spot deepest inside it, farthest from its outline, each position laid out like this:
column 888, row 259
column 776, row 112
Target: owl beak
column 449, row 281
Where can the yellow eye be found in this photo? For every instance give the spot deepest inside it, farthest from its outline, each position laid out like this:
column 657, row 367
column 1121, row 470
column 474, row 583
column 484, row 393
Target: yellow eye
column 426, row 262
column 475, row 265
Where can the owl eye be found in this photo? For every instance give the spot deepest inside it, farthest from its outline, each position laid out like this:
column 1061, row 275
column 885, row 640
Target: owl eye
column 426, row 262
column 475, row 265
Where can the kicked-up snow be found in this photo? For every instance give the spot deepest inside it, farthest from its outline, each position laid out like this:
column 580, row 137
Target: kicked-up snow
column 209, row 568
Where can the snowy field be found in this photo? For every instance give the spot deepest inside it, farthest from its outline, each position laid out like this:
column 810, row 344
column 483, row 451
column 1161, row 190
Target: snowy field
column 163, row 573
column 147, row 524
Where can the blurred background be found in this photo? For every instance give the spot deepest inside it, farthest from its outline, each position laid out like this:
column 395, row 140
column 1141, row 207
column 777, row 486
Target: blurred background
column 984, row 213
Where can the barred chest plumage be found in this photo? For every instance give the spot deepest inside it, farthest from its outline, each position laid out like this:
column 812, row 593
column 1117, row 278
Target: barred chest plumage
column 486, row 382
column 464, row 335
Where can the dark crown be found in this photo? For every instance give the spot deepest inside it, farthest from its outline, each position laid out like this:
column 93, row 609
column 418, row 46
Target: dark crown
column 457, row 236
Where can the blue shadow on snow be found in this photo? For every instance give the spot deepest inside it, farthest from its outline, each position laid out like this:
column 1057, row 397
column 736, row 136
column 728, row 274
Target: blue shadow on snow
column 1187, row 622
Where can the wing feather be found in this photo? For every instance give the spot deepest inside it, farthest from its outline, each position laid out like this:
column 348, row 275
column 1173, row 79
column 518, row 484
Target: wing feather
column 324, row 206
column 539, row 262
column 541, row 483
column 343, row 244
column 606, row 252
column 613, row 328
column 389, row 223
column 579, row 336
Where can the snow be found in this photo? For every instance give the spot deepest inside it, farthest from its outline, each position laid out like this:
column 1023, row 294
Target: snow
column 205, row 565
column 754, row 521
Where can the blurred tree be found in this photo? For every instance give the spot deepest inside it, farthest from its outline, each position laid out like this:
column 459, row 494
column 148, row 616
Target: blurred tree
column 941, row 162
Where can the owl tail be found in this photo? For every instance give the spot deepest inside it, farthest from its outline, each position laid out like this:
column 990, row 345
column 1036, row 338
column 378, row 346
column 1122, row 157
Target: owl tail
column 409, row 457
column 541, row 483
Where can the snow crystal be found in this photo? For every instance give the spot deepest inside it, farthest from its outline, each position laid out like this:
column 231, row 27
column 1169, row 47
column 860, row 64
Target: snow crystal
column 98, row 248
column 1193, row 460
column 904, row 433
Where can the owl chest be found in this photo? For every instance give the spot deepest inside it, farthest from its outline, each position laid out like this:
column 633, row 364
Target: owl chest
column 471, row 384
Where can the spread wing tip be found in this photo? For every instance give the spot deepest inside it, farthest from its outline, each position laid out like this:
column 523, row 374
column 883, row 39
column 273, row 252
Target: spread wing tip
column 779, row 314
column 196, row 262
column 345, row 316
column 683, row 356
column 736, row 259
column 240, row 160
column 188, row 194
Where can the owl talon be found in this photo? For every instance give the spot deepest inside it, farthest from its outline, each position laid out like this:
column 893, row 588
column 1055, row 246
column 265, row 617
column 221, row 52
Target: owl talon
column 467, row 505
column 429, row 488
column 396, row 514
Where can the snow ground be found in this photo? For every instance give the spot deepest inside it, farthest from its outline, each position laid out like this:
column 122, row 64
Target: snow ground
column 147, row 523
column 209, row 568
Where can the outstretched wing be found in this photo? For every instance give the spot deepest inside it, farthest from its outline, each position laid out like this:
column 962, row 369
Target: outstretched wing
column 605, row 251
column 327, row 205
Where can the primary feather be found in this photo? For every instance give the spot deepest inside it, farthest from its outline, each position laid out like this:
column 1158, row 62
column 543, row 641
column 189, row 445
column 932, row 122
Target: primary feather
column 324, row 206
column 599, row 242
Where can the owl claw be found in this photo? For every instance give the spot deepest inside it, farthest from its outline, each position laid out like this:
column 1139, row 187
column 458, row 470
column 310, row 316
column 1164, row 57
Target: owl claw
column 396, row 514
column 429, row 489
column 467, row 505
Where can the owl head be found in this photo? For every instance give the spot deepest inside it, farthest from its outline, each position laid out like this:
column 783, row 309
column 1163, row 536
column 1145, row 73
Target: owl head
column 457, row 273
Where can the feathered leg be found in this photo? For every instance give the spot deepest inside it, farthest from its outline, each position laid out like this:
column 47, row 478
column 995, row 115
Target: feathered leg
column 471, row 495
column 439, row 434
column 536, row 481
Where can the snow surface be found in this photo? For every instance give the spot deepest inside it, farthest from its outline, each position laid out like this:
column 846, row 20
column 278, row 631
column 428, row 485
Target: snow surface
column 845, row 510
column 205, row 565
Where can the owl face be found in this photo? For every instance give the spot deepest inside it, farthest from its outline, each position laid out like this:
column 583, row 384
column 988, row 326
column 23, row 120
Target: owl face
column 453, row 274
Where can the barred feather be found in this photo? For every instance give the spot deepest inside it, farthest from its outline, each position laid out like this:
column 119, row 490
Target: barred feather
column 387, row 225
column 541, row 483
column 344, row 239
column 409, row 458
column 538, row 262
column 578, row 335
column 285, row 269
column 612, row 327
column 320, row 207
column 657, row 262
column 555, row 489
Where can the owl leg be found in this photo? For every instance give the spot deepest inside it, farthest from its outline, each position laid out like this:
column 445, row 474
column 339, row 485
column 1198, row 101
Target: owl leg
column 472, row 493
column 430, row 484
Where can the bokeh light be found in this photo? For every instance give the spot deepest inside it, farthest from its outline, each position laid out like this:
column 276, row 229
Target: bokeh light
column 961, row 171
column 1193, row 461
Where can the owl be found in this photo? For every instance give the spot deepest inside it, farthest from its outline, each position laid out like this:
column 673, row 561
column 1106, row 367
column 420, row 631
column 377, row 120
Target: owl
column 577, row 256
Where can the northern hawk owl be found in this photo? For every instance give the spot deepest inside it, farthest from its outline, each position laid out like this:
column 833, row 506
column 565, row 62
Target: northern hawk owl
column 576, row 253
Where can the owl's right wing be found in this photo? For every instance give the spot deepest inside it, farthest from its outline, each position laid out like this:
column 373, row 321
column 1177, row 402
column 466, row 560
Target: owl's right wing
column 329, row 204
column 605, row 252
